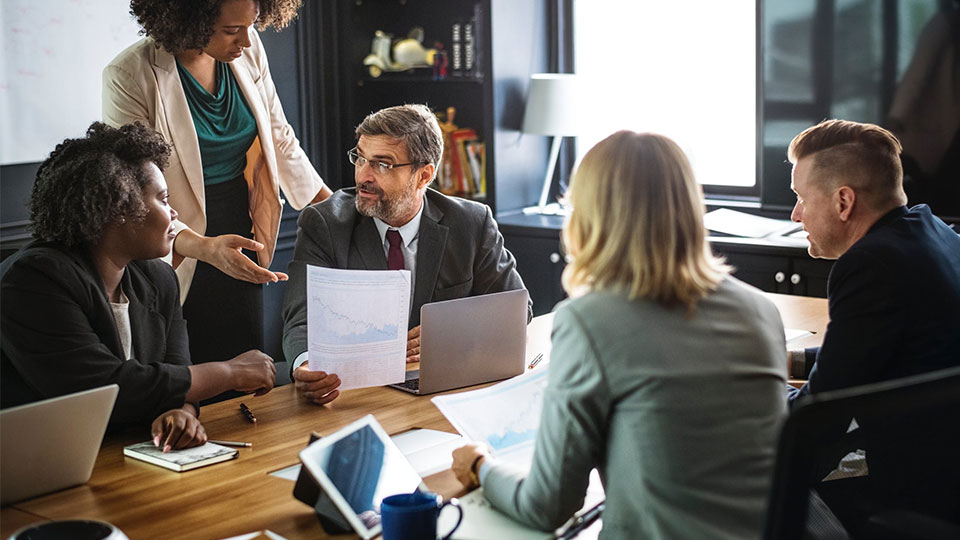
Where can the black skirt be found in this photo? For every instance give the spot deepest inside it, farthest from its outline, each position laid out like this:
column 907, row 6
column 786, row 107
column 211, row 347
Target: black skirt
column 224, row 315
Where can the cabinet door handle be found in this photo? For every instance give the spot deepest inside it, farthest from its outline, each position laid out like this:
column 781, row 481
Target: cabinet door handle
column 779, row 277
column 555, row 257
column 794, row 278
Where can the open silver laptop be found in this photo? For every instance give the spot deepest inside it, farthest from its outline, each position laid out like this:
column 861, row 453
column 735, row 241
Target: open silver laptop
column 470, row 341
column 52, row 444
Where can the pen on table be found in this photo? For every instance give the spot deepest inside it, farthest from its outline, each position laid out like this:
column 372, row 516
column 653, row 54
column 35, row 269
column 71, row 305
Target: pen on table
column 238, row 444
column 248, row 413
column 536, row 360
column 582, row 522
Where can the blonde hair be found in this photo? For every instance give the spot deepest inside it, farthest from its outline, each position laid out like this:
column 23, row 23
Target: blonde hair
column 637, row 223
column 865, row 157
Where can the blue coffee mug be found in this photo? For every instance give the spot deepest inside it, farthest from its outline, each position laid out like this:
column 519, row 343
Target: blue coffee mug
column 413, row 516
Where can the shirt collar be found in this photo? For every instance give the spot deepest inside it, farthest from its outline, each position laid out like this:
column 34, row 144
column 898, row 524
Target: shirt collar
column 408, row 231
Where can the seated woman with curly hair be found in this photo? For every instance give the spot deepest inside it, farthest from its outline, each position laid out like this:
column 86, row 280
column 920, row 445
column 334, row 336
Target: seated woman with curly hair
column 87, row 303
column 201, row 78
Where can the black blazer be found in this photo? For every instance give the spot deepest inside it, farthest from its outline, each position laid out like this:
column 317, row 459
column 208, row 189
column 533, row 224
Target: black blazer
column 58, row 335
column 460, row 253
column 894, row 300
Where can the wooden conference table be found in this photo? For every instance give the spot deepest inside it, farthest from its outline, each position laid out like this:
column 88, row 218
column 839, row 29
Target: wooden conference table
column 239, row 496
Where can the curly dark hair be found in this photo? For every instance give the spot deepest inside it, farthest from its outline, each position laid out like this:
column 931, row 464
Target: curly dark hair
column 182, row 25
column 86, row 184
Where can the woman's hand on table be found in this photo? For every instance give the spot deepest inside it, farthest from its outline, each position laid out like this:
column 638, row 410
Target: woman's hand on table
column 177, row 429
column 466, row 464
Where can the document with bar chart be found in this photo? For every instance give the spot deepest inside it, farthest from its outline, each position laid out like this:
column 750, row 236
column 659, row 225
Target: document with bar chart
column 357, row 324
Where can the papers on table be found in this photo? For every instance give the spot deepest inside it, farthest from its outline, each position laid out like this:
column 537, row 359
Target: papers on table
column 428, row 450
column 793, row 333
column 482, row 521
column 505, row 416
column 357, row 324
column 259, row 535
column 728, row 221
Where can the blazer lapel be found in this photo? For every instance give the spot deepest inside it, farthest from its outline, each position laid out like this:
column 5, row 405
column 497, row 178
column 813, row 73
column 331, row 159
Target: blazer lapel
column 430, row 245
column 173, row 103
column 369, row 245
column 103, row 303
column 145, row 322
column 248, row 87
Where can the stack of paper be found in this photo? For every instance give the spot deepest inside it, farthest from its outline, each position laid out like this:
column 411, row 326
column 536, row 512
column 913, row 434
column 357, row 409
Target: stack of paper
column 724, row 220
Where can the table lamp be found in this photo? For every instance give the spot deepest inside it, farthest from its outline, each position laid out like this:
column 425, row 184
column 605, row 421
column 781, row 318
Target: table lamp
column 552, row 109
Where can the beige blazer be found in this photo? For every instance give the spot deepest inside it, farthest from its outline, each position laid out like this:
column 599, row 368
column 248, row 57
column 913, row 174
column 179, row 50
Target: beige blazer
column 142, row 83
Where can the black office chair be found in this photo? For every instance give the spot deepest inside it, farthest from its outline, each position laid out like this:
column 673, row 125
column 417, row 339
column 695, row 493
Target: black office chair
column 818, row 420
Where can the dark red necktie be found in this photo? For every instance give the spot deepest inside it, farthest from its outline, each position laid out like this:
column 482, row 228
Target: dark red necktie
column 394, row 255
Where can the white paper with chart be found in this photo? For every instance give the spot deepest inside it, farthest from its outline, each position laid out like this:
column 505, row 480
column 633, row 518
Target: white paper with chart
column 505, row 416
column 357, row 324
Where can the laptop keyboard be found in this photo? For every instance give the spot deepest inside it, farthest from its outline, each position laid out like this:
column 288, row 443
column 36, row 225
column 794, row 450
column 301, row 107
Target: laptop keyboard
column 411, row 384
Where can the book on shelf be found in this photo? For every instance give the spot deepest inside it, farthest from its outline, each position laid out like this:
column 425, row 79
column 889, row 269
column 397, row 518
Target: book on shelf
column 180, row 460
column 464, row 49
column 469, row 49
column 456, row 49
column 458, row 155
column 477, row 157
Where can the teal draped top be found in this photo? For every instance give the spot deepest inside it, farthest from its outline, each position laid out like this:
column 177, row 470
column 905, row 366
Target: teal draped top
column 224, row 123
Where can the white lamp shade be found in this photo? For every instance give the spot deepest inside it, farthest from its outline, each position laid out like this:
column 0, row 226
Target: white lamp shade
column 552, row 105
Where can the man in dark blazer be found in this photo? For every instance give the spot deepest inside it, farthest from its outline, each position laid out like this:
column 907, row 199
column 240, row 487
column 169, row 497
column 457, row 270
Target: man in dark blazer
column 391, row 220
column 894, row 301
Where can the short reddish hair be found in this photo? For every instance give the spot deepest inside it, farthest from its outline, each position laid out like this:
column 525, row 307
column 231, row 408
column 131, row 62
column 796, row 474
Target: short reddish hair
column 865, row 157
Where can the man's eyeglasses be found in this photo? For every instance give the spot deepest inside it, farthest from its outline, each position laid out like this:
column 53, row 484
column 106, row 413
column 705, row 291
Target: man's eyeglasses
column 379, row 167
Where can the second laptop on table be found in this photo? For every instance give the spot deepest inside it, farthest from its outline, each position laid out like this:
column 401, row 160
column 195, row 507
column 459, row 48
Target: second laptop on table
column 470, row 341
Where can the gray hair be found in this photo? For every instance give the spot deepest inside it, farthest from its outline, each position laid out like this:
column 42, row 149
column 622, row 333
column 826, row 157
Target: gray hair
column 415, row 125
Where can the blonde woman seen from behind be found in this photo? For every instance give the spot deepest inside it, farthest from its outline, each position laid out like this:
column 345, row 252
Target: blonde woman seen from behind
column 666, row 373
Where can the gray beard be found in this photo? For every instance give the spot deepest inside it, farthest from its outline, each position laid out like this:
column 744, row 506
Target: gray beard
column 388, row 211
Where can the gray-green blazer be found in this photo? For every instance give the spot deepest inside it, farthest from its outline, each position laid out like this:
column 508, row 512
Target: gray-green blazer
column 679, row 412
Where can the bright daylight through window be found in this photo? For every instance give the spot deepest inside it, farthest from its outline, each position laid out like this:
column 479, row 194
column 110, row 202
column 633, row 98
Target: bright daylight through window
column 684, row 69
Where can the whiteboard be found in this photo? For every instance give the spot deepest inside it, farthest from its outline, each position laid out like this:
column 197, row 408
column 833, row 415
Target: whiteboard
column 52, row 54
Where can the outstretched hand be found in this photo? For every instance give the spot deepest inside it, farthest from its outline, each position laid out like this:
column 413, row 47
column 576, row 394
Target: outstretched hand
column 224, row 253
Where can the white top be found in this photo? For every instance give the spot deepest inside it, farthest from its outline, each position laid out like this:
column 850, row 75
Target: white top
column 121, row 314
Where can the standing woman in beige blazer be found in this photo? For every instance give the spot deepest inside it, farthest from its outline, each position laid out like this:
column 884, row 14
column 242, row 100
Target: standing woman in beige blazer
column 200, row 77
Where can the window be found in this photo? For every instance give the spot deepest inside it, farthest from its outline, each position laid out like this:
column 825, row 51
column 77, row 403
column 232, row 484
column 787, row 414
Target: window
column 684, row 69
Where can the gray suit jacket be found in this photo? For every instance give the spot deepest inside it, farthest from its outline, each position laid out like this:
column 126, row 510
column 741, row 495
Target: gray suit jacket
column 460, row 253
column 633, row 391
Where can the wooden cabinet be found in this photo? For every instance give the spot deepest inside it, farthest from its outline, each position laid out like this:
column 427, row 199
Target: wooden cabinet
column 535, row 242
column 774, row 268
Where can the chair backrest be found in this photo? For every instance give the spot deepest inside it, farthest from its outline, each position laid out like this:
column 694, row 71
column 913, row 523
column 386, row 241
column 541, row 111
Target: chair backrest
column 817, row 419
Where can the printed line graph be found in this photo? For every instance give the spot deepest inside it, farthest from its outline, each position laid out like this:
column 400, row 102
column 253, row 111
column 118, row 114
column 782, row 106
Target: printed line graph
column 368, row 316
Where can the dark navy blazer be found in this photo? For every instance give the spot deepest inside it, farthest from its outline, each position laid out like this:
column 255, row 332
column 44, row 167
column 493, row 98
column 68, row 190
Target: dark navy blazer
column 894, row 301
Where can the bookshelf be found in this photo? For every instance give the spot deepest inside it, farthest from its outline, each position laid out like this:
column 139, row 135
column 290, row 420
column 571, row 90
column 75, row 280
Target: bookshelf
column 510, row 43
